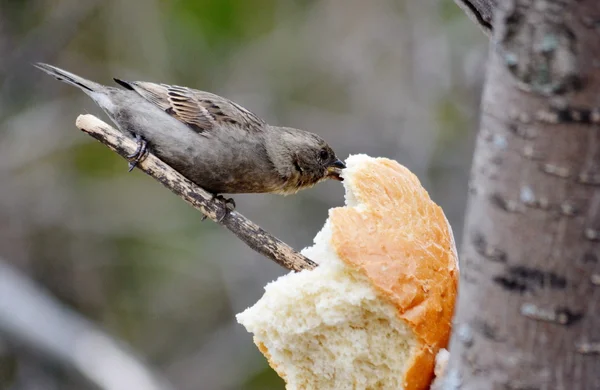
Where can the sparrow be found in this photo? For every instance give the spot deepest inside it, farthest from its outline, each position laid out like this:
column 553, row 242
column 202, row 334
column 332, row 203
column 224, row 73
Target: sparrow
column 214, row 142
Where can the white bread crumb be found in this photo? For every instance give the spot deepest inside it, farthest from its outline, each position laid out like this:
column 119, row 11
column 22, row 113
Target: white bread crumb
column 327, row 329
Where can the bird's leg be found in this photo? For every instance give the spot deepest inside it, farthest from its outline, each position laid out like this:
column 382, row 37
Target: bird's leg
column 140, row 152
column 228, row 202
column 228, row 206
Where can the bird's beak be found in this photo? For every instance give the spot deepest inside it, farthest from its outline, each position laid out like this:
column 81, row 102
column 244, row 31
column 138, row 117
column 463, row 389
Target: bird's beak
column 335, row 169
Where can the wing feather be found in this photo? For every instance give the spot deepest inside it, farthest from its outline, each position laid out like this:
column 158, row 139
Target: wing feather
column 201, row 111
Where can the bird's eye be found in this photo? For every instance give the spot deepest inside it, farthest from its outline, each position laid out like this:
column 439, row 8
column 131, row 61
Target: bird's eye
column 324, row 154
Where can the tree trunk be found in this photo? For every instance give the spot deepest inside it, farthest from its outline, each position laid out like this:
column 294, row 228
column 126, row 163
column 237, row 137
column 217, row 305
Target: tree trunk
column 528, row 315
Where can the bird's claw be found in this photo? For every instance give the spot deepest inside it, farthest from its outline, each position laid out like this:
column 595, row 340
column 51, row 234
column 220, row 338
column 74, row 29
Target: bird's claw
column 228, row 206
column 141, row 152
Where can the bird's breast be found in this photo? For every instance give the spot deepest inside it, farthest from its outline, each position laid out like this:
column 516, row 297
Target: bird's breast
column 226, row 164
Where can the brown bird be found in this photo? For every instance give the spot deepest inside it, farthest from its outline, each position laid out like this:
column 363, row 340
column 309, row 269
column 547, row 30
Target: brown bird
column 214, row 142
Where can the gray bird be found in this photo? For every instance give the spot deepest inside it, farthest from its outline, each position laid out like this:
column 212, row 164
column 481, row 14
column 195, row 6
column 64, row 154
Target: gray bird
column 214, row 142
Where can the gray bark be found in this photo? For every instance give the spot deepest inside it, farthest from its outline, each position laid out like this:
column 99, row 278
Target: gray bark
column 528, row 315
column 481, row 12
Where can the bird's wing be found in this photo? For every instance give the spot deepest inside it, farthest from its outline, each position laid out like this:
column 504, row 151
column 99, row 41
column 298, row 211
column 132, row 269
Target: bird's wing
column 202, row 111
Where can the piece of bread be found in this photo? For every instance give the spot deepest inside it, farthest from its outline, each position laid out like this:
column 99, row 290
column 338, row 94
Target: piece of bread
column 378, row 308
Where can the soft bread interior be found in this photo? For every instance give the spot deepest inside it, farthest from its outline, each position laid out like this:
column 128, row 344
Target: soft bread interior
column 331, row 328
column 327, row 328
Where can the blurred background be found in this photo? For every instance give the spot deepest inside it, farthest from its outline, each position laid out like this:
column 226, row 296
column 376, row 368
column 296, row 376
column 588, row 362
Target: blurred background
column 86, row 247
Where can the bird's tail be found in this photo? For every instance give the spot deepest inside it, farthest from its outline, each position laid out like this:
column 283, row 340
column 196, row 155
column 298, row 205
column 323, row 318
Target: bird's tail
column 85, row 85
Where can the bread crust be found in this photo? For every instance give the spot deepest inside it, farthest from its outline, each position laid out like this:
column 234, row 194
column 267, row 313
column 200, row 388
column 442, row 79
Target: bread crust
column 401, row 240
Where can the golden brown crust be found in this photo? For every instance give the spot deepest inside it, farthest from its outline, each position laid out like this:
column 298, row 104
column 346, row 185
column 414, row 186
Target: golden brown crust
column 402, row 242
column 419, row 374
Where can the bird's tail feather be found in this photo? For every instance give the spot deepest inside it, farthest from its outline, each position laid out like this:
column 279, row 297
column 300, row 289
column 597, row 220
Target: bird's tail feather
column 86, row 85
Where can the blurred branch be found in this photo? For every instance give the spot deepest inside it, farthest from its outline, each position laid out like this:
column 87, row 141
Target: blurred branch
column 253, row 235
column 29, row 316
column 481, row 12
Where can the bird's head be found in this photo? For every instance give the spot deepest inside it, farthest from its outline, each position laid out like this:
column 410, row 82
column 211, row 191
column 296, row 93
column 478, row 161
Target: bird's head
column 307, row 159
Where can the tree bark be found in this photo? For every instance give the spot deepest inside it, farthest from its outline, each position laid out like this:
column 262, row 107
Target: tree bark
column 528, row 315
column 480, row 12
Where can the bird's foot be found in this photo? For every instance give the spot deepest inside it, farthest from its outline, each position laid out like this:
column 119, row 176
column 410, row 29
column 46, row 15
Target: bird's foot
column 141, row 152
column 228, row 206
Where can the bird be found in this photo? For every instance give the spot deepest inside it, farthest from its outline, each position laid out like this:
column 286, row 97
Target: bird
column 212, row 141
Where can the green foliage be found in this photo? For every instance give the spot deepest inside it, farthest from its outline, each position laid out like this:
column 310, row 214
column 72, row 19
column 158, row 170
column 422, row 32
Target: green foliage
column 452, row 122
column 453, row 129
column 449, row 11
column 92, row 159
column 225, row 22
column 21, row 15
column 137, row 270
column 264, row 379
column 8, row 369
column 322, row 90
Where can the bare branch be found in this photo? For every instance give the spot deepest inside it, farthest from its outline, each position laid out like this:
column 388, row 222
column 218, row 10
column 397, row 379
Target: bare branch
column 253, row 235
column 31, row 317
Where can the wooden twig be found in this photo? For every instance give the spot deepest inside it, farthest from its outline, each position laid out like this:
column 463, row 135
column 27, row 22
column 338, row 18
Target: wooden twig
column 252, row 234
